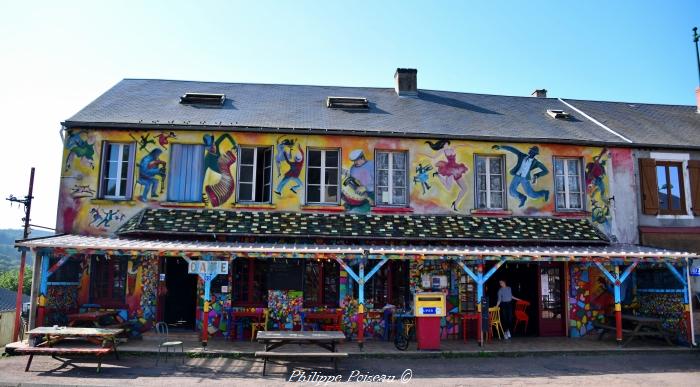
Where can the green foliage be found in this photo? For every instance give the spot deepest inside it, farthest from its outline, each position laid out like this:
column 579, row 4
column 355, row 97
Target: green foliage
column 9, row 280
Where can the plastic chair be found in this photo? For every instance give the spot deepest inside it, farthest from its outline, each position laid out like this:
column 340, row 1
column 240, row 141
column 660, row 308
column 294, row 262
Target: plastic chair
column 260, row 326
column 521, row 314
column 161, row 329
column 495, row 322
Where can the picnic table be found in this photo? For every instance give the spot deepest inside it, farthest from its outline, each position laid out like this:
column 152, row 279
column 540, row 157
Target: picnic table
column 93, row 318
column 105, row 339
column 276, row 339
column 642, row 326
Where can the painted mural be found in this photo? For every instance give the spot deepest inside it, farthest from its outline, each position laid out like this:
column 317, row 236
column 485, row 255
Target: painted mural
column 439, row 175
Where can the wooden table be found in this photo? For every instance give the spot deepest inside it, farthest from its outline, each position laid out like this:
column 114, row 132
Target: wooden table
column 646, row 327
column 324, row 339
column 53, row 335
column 465, row 317
column 239, row 314
column 91, row 317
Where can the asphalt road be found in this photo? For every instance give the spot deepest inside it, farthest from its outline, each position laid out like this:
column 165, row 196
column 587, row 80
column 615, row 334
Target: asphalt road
column 659, row 369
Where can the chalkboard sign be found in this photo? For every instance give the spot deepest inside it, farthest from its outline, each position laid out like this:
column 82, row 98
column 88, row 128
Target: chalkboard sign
column 284, row 276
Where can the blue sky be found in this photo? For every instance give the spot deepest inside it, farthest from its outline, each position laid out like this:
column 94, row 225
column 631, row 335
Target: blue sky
column 59, row 56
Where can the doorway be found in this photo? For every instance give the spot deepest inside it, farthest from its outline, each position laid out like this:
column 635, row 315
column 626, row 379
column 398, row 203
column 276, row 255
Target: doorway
column 551, row 285
column 522, row 277
column 181, row 297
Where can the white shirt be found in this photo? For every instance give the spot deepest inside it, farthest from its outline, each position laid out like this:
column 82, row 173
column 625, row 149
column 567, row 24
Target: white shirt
column 525, row 167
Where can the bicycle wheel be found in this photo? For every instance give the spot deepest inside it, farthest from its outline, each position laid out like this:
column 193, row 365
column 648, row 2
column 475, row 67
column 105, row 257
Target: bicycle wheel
column 401, row 342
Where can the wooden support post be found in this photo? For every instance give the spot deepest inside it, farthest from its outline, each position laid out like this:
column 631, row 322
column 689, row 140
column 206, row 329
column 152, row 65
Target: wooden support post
column 686, row 297
column 479, row 295
column 618, row 306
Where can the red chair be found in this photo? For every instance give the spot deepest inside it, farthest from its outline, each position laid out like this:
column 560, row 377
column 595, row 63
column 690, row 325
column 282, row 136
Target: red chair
column 337, row 324
column 521, row 314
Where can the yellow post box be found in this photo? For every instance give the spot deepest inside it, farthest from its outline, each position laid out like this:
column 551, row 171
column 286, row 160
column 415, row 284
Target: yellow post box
column 430, row 305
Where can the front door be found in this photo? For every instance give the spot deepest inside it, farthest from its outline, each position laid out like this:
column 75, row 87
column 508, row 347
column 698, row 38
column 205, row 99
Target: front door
column 181, row 296
column 551, row 302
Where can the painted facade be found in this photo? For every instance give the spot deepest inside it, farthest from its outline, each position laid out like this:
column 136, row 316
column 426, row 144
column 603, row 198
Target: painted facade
column 440, row 176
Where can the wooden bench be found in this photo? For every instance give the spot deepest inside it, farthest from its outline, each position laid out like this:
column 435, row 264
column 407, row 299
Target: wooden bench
column 300, row 355
column 63, row 351
column 605, row 328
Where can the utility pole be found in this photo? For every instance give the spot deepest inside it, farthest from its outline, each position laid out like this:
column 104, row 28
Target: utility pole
column 27, row 202
column 696, row 37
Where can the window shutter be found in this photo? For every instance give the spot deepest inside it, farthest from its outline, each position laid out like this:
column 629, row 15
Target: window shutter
column 694, row 172
column 650, row 193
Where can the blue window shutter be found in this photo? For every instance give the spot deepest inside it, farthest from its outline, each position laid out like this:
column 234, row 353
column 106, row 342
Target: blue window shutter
column 186, row 173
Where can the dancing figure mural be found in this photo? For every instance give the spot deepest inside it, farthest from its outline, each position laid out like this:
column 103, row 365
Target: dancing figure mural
column 295, row 166
column 219, row 163
column 449, row 171
column 523, row 176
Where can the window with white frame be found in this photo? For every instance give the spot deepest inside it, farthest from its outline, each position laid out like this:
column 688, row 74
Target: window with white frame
column 490, row 182
column 322, row 170
column 117, row 170
column 391, row 178
column 567, row 183
column 255, row 174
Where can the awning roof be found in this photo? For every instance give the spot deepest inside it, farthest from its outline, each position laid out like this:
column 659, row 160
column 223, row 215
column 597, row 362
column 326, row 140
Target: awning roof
column 70, row 244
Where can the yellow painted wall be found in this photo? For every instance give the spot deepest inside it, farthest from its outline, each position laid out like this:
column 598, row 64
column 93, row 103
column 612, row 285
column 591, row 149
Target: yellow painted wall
column 80, row 211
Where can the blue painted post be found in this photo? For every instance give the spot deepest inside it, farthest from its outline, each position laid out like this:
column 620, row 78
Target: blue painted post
column 479, row 296
column 361, row 306
column 43, row 289
column 205, row 312
column 686, row 296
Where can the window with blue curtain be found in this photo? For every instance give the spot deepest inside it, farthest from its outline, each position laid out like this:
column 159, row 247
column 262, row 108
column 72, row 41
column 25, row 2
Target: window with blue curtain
column 186, row 175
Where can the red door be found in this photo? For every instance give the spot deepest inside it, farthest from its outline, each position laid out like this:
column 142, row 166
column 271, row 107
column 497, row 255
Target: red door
column 551, row 310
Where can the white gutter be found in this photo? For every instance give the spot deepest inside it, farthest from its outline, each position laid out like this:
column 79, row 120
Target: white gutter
column 593, row 120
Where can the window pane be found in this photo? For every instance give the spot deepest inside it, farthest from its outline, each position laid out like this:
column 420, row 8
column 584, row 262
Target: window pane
column 331, row 158
column 313, row 193
column 315, row 158
column 112, row 170
column 573, row 167
column 558, row 166
column 480, row 165
column 122, row 186
column 246, row 174
column 332, row 176
column 111, row 187
column 481, row 182
column 482, row 199
column 661, row 179
column 383, row 178
column 574, row 184
column 383, row 195
column 495, row 165
column 399, row 160
column 496, row 199
column 247, row 156
column 496, row 183
column 560, row 183
column 674, row 174
column 245, row 191
column 399, row 194
column 312, row 282
column 314, row 176
column 561, row 201
column 125, row 153
column 382, row 160
column 399, row 179
column 575, row 201
column 331, row 194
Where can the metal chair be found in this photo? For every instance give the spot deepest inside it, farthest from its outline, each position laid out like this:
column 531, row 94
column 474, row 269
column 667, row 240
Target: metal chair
column 161, row 329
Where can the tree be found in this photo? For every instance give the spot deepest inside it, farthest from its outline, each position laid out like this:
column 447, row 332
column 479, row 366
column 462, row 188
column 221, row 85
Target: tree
column 9, row 279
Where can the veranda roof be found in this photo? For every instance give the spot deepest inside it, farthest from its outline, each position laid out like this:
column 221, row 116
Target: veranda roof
column 80, row 244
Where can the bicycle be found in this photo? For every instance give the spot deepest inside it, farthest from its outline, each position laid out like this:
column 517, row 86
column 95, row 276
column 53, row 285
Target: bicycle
column 403, row 338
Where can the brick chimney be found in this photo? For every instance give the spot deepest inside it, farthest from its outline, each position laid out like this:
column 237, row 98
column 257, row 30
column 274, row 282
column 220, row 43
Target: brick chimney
column 540, row 93
column 405, row 82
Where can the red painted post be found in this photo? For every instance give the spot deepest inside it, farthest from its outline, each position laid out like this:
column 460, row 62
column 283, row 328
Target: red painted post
column 480, row 271
column 361, row 325
column 40, row 311
column 618, row 307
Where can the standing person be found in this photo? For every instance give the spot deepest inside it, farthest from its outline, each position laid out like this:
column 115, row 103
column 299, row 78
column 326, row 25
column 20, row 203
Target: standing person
column 505, row 297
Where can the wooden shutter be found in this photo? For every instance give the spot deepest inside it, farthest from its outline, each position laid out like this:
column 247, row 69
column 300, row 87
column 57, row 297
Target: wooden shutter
column 694, row 172
column 650, row 193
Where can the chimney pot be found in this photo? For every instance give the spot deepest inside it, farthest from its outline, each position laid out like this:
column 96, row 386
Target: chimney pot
column 405, row 82
column 540, row 93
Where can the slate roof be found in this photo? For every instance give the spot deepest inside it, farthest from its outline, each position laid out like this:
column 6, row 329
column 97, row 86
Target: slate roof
column 457, row 228
column 146, row 104
column 7, row 300
column 647, row 124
